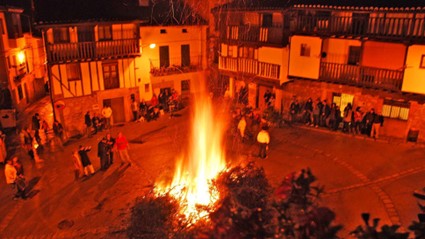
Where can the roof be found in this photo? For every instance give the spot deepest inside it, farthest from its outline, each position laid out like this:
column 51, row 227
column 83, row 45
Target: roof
column 159, row 12
column 251, row 5
column 75, row 11
column 173, row 12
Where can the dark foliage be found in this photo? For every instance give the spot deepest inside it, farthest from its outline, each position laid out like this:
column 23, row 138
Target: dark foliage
column 371, row 231
column 156, row 217
column 248, row 208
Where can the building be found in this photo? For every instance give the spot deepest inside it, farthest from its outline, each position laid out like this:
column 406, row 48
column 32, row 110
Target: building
column 22, row 71
column 174, row 50
column 367, row 53
column 99, row 54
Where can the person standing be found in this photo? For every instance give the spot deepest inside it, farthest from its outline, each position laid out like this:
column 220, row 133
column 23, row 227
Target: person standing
column 122, row 148
column 12, row 178
column 377, row 123
column 107, row 114
column 111, row 143
column 20, row 178
column 87, row 121
column 58, row 130
column 103, row 154
column 263, row 138
column 85, row 160
column 96, row 123
column 135, row 110
column 78, row 167
column 294, row 109
column 242, row 127
column 36, row 127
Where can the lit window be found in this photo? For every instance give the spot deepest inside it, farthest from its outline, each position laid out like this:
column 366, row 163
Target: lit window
column 305, row 50
column 396, row 109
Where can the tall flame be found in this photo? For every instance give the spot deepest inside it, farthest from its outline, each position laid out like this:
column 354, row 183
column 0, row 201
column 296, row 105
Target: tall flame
column 202, row 162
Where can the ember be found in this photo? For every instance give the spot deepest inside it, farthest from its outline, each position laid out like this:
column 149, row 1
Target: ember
column 202, row 162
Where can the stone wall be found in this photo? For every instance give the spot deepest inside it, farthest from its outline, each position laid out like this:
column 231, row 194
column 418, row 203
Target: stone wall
column 365, row 98
column 72, row 116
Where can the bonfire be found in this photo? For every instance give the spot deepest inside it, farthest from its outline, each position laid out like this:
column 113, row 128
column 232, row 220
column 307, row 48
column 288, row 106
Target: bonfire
column 197, row 166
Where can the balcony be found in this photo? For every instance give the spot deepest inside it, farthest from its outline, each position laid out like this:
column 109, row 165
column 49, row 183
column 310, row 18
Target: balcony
column 175, row 66
column 254, row 34
column 397, row 29
column 86, row 51
column 250, row 67
column 361, row 76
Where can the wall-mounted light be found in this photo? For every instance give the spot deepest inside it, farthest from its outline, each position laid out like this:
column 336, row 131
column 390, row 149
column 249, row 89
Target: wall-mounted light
column 152, row 45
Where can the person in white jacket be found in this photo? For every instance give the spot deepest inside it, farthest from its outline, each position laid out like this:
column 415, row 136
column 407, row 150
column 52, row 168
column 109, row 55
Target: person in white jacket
column 11, row 176
column 263, row 139
column 242, row 127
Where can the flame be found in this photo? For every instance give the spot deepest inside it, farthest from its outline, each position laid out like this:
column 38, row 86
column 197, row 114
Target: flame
column 202, row 162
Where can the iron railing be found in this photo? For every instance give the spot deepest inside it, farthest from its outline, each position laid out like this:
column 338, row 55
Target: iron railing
column 175, row 65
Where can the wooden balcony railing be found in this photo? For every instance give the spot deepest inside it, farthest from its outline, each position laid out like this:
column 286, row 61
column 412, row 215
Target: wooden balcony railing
column 175, row 66
column 249, row 66
column 254, row 34
column 362, row 76
column 362, row 26
column 83, row 51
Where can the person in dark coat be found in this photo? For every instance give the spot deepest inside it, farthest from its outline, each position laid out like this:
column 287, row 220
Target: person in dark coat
column 85, row 160
column 110, row 142
column 87, row 121
column 103, row 154
column 36, row 127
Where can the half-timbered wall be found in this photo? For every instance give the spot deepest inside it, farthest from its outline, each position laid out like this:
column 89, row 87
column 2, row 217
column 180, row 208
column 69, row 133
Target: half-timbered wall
column 91, row 77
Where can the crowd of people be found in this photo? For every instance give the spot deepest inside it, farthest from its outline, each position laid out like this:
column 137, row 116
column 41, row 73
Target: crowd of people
column 349, row 120
column 108, row 148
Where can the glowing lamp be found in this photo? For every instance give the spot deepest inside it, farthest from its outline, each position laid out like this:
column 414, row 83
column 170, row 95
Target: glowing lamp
column 21, row 57
column 152, row 45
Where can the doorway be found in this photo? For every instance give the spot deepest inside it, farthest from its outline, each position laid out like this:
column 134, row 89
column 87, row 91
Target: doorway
column 118, row 110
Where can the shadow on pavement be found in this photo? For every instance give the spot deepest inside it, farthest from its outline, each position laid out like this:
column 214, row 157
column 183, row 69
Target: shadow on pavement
column 29, row 189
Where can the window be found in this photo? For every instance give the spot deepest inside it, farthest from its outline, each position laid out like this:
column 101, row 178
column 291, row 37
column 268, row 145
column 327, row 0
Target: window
column 248, row 52
column 164, row 56
column 184, row 30
column 110, row 76
column 422, row 64
column 185, row 84
column 354, row 55
column 305, row 50
column 267, row 20
column 163, row 31
column 1, row 27
column 232, row 51
column 396, row 109
column 20, row 92
column 105, row 32
column 61, row 35
column 73, row 71
column 147, row 88
column 185, row 55
column 342, row 100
